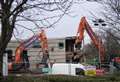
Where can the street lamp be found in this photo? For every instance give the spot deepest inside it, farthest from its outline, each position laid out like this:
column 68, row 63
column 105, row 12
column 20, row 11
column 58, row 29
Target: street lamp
column 98, row 22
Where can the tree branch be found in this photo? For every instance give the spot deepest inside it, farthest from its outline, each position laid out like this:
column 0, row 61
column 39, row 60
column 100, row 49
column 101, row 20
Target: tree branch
column 18, row 7
column 10, row 2
column 26, row 28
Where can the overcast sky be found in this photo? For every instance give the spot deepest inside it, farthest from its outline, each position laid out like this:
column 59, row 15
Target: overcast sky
column 68, row 26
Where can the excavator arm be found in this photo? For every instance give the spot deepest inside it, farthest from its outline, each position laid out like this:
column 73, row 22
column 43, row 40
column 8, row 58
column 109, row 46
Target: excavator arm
column 26, row 44
column 84, row 25
column 43, row 42
column 44, row 46
column 22, row 47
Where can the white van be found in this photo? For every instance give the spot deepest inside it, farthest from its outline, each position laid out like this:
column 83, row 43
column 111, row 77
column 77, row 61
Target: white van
column 68, row 69
column 73, row 69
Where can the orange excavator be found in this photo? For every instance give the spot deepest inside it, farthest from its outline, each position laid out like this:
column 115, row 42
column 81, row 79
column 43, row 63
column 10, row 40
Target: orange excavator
column 21, row 59
column 84, row 25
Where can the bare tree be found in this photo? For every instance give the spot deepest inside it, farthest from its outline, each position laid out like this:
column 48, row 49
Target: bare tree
column 111, row 17
column 14, row 14
column 88, row 50
column 111, row 14
column 112, row 46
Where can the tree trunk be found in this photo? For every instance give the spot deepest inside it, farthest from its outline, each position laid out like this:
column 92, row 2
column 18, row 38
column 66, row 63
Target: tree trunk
column 7, row 26
column 6, row 35
column 0, row 64
column 3, row 47
column 1, row 59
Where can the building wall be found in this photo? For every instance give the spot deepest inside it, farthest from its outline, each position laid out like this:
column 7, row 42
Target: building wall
column 56, row 51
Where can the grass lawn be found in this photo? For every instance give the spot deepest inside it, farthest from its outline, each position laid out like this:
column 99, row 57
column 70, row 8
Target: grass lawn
column 61, row 78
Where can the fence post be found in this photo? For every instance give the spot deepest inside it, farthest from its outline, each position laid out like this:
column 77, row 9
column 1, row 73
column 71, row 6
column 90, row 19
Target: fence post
column 5, row 65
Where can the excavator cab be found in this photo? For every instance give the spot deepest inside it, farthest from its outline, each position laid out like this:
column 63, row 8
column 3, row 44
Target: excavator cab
column 78, row 46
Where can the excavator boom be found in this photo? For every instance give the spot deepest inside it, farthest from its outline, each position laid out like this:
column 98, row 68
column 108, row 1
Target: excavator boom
column 44, row 46
column 84, row 25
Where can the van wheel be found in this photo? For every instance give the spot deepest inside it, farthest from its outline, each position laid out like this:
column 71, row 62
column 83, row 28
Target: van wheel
column 79, row 71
